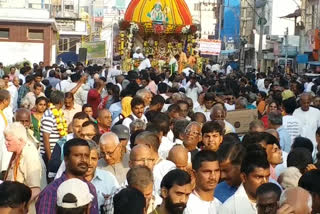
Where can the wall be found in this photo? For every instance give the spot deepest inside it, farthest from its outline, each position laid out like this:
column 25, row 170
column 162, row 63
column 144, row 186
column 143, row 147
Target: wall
column 18, row 34
column 19, row 51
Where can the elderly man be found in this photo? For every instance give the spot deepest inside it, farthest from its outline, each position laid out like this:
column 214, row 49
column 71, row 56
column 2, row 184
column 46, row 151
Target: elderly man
column 191, row 138
column 299, row 199
column 309, row 117
column 140, row 155
column 104, row 121
column 4, row 154
column 24, row 117
column 104, row 182
column 179, row 155
column 25, row 165
column 146, row 95
column 219, row 112
column 113, row 158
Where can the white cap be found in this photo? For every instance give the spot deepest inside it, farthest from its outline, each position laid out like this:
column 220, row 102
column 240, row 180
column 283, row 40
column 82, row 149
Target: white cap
column 77, row 188
column 138, row 48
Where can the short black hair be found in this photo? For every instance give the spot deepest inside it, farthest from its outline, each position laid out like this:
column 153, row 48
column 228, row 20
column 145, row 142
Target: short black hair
column 179, row 127
column 203, row 156
column 209, row 96
column 232, row 138
column 91, row 123
column 39, row 99
column 86, row 106
column 80, row 116
column 174, row 108
column 299, row 158
column 157, row 99
column 13, row 194
column 212, row 126
column 232, row 152
column 263, row 94
column 310, row 181
column 71, row 143
column 254, row 159
column 163, row 88
column 267, row 188
column 175, row 177
column 290, row 105
column 163, row 121
column 29, row 78
column 129, row 201
column 303, row 142
column 136, row 101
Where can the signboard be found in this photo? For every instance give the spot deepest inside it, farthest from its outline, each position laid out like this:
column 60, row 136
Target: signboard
column 210, row 47
column 241, row 119
column 95, row 49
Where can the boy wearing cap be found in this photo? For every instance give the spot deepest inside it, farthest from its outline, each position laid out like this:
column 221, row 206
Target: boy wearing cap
column 73, row 194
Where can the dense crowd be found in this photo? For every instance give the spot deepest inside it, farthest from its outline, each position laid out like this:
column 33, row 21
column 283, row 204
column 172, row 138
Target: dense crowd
column 92, row 139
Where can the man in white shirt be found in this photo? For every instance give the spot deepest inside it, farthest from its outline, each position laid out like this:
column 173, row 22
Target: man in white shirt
column 206, row 108
column 309, row 117
column 193, row 88
column 291, row 123
column 162, row 166
column 146, row 63
column 255, row 171
column 175, row 191
column 137, row 107
column 14, row 94
column 65, row 83
column 138, row 55
column 207, row 172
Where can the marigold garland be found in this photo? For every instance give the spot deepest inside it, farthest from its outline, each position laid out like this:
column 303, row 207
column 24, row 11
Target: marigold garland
column 62, row 125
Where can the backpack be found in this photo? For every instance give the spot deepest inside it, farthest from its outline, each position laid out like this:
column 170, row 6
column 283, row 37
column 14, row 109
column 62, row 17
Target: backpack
column 121, row 119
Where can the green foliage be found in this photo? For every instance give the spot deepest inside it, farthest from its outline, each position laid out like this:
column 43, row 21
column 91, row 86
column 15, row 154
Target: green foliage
column 17, row 65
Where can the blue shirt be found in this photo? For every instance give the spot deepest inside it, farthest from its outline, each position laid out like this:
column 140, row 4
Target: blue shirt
column 115, row 110
column 223, row 191
column 105, row 184
column 285, row 139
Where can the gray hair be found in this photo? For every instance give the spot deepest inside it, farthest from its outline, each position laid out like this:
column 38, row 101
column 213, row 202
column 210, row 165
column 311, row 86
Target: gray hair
column 94, row 146
column 284, row 197
column 142, row 92
column 18, row 130
column 137, row 125
column 275, row 118
column 109, row 137
column 242, row 101
column 190, row 125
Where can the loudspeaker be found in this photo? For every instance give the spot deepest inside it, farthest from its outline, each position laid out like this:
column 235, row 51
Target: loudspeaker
column 82, row 54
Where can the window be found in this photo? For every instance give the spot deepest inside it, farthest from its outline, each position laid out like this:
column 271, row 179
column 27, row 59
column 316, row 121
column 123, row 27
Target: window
column 35, row 34
column 4, row 33
column 63, row 44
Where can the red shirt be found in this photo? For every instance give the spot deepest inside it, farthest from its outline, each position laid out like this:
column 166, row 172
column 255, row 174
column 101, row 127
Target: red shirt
column 94, row 99
column 102, row 131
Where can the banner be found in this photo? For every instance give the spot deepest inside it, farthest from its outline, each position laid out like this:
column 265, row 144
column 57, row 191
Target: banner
column 210, row 47
column 95, row 49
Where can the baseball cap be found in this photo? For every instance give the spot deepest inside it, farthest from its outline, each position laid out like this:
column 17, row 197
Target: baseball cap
column 78, row 189
column 121, row 131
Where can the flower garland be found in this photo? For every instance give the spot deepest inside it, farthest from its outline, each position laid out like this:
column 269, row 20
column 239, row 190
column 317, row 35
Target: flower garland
column 62, row 125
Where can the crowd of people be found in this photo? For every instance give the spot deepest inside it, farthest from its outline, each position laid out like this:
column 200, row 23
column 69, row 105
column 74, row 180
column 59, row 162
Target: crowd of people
column 78, row 139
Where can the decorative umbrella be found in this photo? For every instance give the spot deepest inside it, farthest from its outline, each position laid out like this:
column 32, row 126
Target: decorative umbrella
column 160, row 16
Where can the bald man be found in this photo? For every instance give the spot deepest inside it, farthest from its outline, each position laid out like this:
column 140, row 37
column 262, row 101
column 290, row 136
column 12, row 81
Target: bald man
column 219, row 112
column 179, row 155
column 298, row 199
column 309, row 117
column 104, row 120
column 24, row 117
column 140, row 155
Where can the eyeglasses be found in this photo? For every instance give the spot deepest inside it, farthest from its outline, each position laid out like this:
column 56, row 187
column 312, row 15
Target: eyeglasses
column 193, row 133
column 104, row 154
column 145, row 161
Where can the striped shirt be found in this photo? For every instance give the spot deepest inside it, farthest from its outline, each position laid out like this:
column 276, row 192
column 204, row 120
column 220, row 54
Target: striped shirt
column 48, row 125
